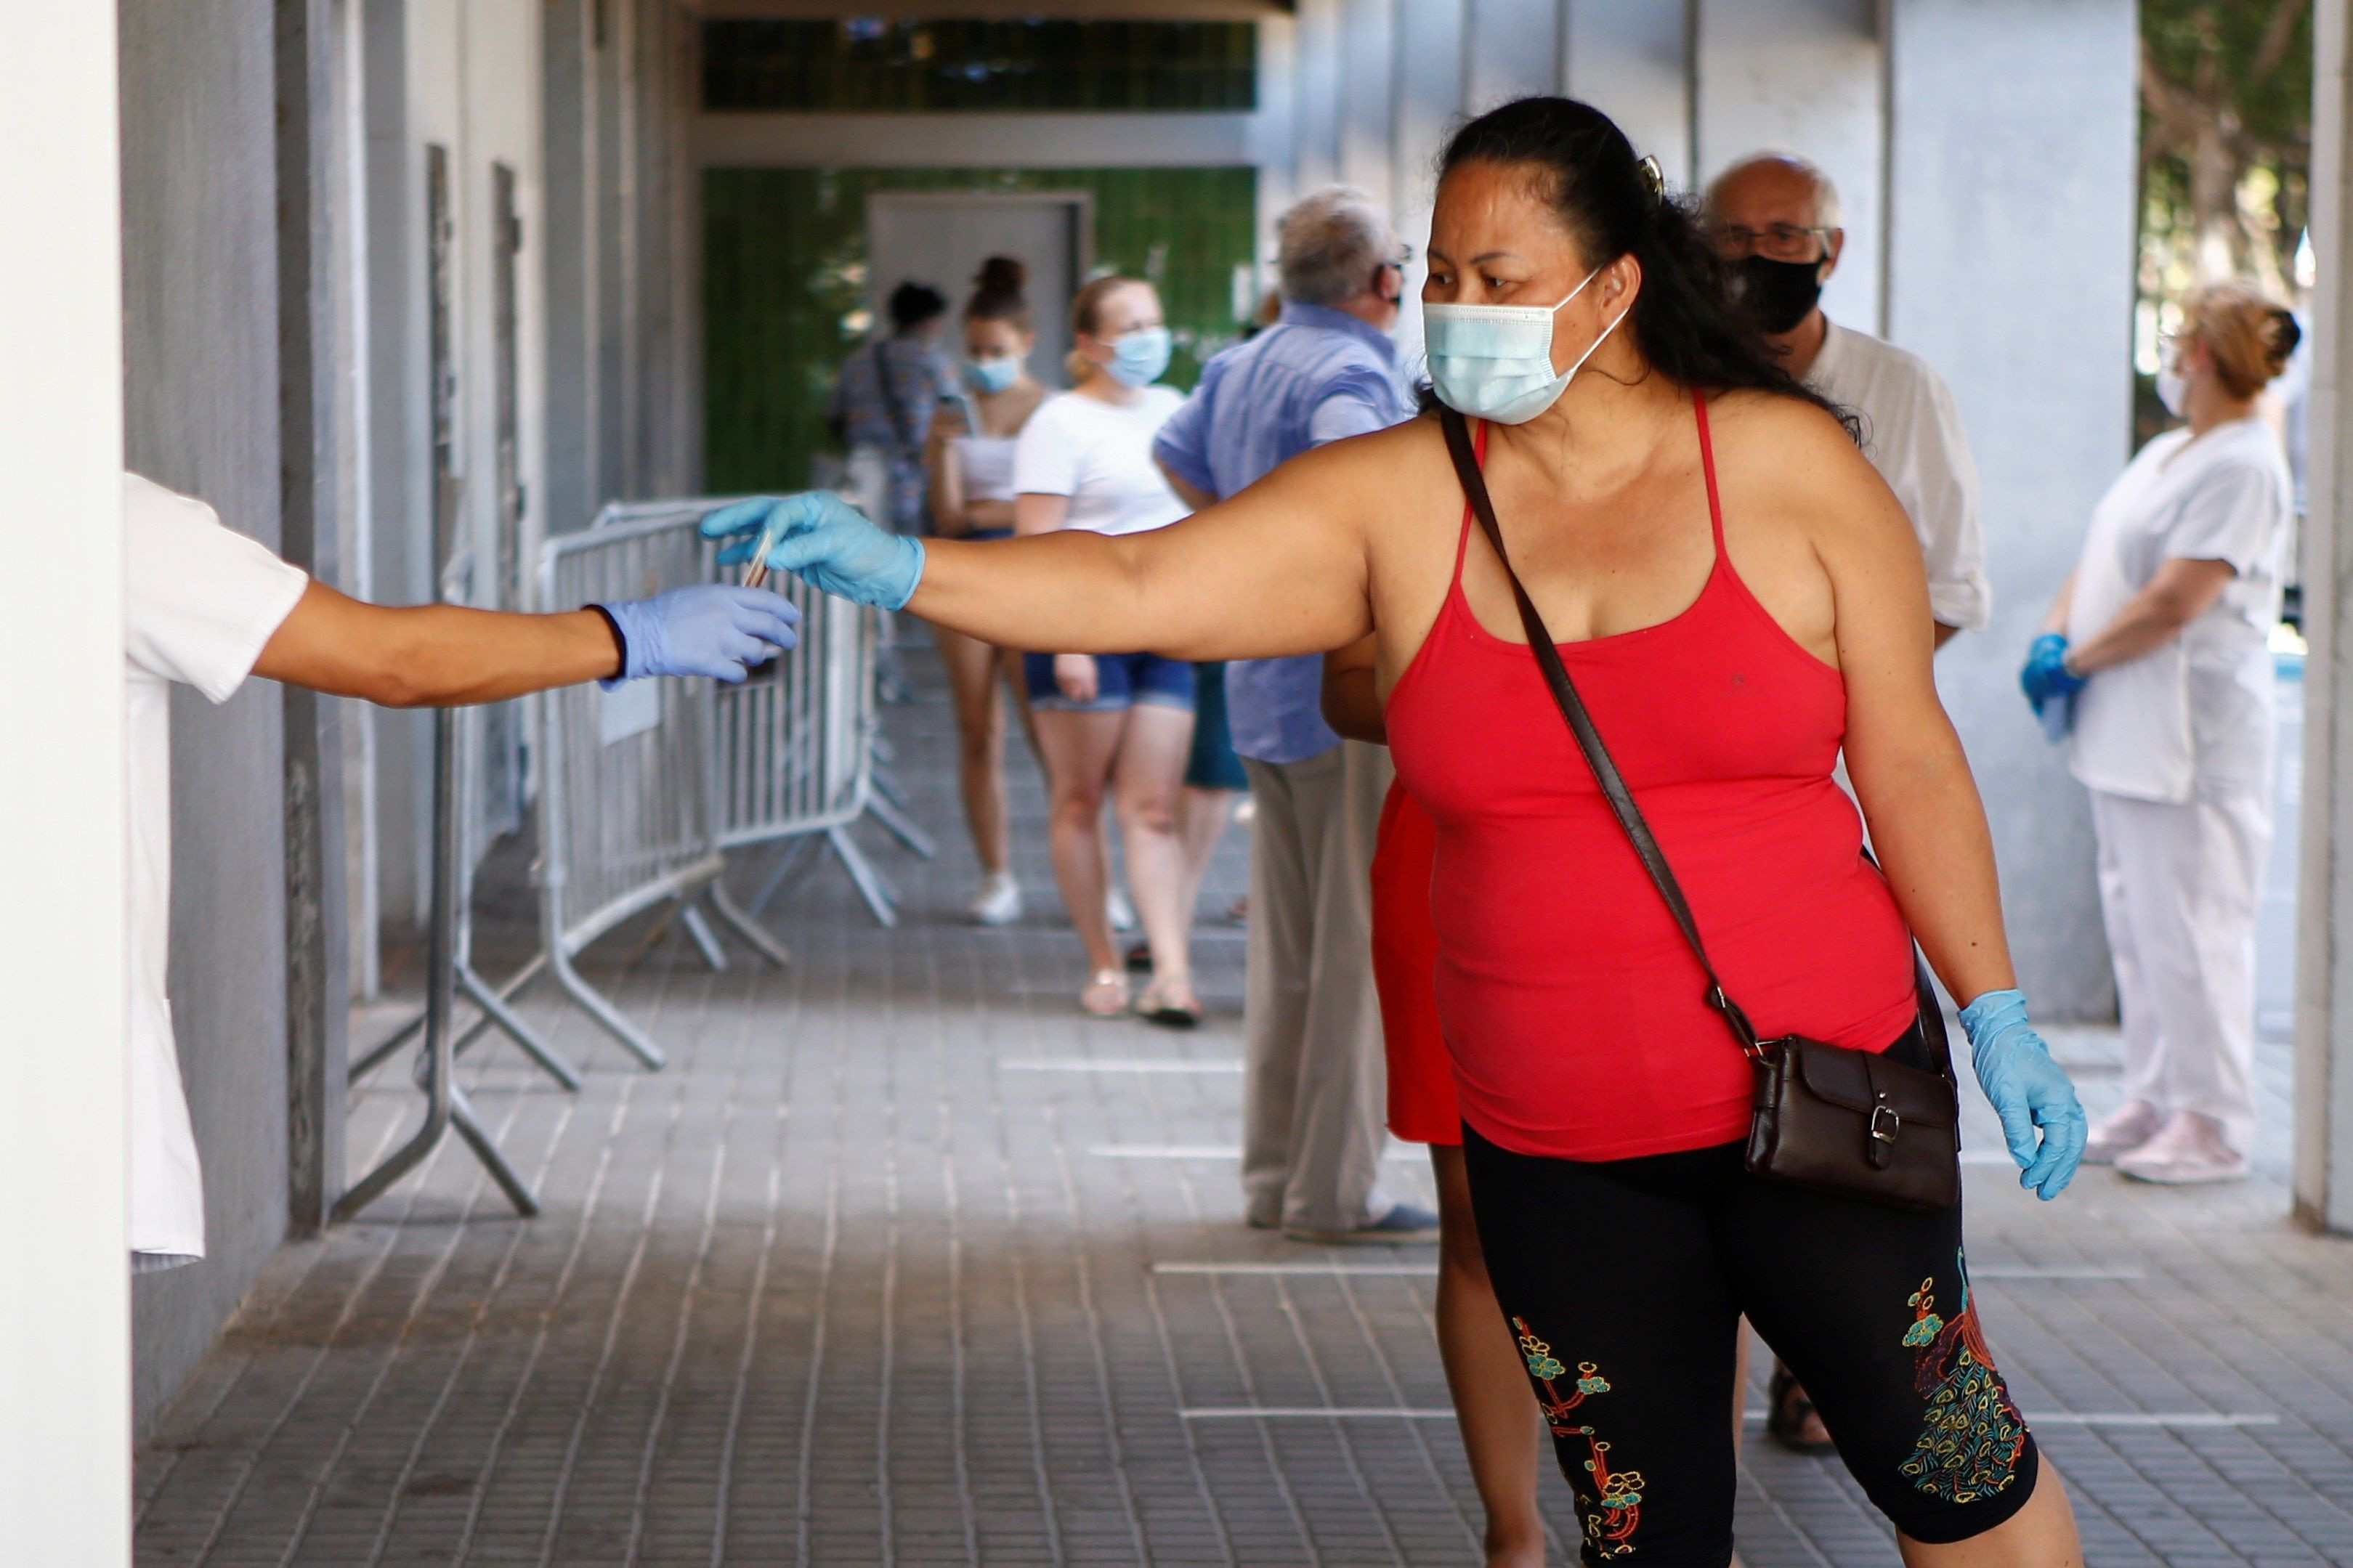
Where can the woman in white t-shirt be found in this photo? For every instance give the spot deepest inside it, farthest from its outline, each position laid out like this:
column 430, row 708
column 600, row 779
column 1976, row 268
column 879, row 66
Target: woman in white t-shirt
column 971, row 463
column 2161, row 643
column 1122, row 723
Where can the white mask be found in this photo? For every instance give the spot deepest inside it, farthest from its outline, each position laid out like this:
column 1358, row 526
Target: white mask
column 1495, row 361
column 2171, row 390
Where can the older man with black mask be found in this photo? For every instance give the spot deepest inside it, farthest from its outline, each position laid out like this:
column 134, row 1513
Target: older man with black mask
column 1316, row 1093
column 1774, row 218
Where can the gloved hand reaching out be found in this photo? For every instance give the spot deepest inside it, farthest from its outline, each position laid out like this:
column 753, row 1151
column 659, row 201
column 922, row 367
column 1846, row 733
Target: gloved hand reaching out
column 824, row 540
column 2029, row 1090
column 712, row 629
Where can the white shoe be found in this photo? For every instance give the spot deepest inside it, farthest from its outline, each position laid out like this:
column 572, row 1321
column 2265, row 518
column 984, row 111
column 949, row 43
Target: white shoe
column 1118, row 911
column 2189, row 1150
column 2120, row 1132
column 999, row 902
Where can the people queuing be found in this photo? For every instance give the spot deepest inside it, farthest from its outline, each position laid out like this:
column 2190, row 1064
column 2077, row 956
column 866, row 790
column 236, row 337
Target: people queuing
column 970, row 461
column 2155, row 659
column 1111, row 720
column 886, row 394
column 1312, row 1102
column 1740, row 595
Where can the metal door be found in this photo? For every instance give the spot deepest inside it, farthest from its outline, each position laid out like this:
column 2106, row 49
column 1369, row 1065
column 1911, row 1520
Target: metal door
column 940, row 237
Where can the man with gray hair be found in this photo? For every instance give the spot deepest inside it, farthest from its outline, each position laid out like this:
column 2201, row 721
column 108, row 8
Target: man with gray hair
column 1315, row 1099
column 1775, row 218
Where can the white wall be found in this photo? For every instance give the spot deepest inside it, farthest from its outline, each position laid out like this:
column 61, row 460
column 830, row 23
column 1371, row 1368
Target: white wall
column 2010, row 271
column 65, row 1298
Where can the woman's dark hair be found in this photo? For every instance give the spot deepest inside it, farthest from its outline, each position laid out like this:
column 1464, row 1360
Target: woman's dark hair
column 912, row 304
column 1685, row 318
column 996, row 294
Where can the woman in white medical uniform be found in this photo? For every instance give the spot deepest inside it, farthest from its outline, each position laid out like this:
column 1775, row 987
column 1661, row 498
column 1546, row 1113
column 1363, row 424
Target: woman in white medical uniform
column 2161, row 642
column 206, row 606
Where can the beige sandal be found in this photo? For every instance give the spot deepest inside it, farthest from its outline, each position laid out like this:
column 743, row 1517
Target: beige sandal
column 1106, row 995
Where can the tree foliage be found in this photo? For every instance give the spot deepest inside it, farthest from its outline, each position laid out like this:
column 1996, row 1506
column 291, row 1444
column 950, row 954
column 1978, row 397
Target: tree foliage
column 2226, row 141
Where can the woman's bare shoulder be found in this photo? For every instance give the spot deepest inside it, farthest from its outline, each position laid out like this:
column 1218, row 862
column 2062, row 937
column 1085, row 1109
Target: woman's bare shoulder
column 1786, row 455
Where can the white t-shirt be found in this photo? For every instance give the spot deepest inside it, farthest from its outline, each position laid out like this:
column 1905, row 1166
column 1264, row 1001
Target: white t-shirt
column 2194, row 716
column 199, row 601
column 1912, row 434
column 1100, row 455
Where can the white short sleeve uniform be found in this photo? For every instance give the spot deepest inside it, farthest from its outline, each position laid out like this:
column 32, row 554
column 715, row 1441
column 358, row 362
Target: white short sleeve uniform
column 1913, row 436
column 1100, row 455
column 2195, row 716
column 199, row 601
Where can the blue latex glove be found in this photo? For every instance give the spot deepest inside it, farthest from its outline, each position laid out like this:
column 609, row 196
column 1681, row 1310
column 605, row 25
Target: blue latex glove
column 825, row 541
column 711, row 630
column 2029, row 1090
column 2046, row 675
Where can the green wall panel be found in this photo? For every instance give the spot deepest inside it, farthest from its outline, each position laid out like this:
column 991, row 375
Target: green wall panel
column 784, row 285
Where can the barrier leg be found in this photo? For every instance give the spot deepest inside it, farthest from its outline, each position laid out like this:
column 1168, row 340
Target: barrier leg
column 611, row 1019
column 496, row 1011
column 890, row 812
column 789, row 864
column 493, row 1158
column 705, row 939
column 376, row 1055
column 872, row 885
column 739, row 920
column 516, row 984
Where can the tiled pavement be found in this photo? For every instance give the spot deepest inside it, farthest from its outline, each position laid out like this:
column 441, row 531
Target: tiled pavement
column 874, row 1274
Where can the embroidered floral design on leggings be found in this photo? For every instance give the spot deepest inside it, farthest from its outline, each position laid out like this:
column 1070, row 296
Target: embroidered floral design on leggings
column 1971, row 1439
column 1612, row 1506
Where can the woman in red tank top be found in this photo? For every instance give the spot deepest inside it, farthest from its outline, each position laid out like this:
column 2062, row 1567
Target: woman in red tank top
column 1743, row 603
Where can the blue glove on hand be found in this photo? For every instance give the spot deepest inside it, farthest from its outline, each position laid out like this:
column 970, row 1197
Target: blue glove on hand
column 2029, row 1090
column 2046, row 674
column 826, row 542
column 712, row 629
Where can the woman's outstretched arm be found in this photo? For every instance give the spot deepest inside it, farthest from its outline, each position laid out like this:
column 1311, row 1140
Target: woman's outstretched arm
column 1278, row 569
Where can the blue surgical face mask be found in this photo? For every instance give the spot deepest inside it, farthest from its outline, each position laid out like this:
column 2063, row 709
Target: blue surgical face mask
column 1495, row 361
column 991, row 375
column 1139, row 358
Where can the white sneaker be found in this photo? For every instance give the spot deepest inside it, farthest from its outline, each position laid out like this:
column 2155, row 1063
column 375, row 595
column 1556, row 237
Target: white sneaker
column 999, row 902
column 1118, row 911
column 2121, row 1131
column 2189, row 1150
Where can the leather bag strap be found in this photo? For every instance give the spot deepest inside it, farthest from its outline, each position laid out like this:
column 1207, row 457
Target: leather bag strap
column 1588, row 739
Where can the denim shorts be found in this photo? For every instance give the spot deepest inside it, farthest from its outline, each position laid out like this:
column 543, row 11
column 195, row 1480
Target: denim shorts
column 1121, row 680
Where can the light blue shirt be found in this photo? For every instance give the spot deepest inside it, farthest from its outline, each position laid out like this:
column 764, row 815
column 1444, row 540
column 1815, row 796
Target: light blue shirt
column 1316, row 375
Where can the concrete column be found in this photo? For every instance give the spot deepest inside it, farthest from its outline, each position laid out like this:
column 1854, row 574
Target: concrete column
column 1510, row 48
column 2010, row 271
column 65, row 1295
column 1804, row 76
column 1631, row 59
column 1430, row 50
column 2324, row 1011
column 1315, row 104
column 1368, row 94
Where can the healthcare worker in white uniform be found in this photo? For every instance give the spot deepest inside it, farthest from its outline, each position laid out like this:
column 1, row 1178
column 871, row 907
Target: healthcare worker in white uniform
column 207, row 606
column 2161, row 641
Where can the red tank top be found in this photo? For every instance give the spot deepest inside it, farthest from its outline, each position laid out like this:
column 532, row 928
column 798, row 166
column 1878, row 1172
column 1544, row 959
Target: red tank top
column 1570, row 1002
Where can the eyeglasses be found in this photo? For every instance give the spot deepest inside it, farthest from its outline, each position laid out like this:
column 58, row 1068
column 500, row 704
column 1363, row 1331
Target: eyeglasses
column 1402, row 259
column 1780, row 242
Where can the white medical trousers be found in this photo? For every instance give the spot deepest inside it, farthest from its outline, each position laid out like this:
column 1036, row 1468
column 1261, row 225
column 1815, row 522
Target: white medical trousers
column 1316, row 1097
column 2178, row 886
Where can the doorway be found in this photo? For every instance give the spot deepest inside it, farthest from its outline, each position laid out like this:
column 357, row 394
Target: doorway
column 940, row 237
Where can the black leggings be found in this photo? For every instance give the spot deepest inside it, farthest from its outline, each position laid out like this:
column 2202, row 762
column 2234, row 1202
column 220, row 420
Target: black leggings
column 1624, row 1281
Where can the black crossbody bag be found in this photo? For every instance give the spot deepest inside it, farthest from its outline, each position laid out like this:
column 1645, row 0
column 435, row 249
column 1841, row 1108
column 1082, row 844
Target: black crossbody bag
column 1842, row 1121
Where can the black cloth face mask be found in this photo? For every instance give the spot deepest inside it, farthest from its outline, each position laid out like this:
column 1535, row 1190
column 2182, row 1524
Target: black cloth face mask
column 1779, row 294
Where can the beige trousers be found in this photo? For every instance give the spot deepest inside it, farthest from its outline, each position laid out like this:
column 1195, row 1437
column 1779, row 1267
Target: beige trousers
column 1315, row 1099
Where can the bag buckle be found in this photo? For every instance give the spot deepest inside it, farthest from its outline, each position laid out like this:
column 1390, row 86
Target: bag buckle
column 1884, row 1131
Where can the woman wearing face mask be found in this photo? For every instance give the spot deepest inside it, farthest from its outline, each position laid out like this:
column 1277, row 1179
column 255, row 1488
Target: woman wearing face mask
column 971, row 464
column 1742, row 598
column 2158, row 650
column 1111, row 721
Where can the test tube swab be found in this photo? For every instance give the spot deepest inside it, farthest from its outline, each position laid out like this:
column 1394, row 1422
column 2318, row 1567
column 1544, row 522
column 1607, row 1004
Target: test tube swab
column 755, row 571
